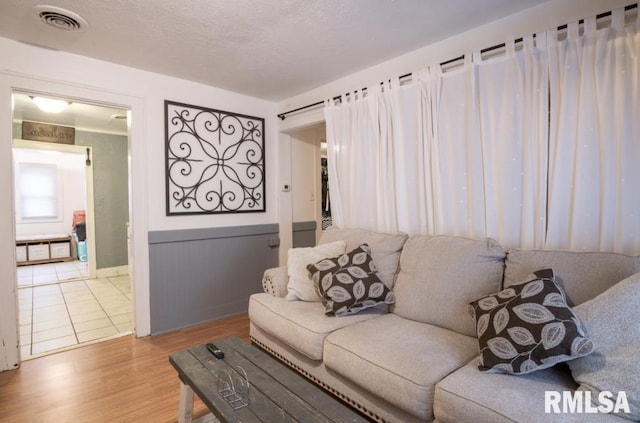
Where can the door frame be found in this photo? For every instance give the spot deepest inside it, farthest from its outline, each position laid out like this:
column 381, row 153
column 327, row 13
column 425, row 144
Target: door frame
column 90, row 224
column 138, row 218
column 286, row 128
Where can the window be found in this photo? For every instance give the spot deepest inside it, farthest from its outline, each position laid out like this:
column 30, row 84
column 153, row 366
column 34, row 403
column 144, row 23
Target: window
column 38, row 191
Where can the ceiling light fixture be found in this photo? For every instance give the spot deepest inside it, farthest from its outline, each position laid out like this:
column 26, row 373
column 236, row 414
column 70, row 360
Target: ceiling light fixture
column 50, row 105
column 60, row 18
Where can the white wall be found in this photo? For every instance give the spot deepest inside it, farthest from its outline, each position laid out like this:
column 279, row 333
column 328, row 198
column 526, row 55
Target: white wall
column 72, row 180
column 545, row 16
column 37, row 70
column 305, row 171
column 153, row 89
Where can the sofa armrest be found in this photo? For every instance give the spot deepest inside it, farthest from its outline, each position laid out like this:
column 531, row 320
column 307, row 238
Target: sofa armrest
column 274, row 281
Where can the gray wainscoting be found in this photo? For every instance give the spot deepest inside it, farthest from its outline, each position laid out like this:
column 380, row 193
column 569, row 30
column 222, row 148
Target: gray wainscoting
column 304, row 234
column 198, row 275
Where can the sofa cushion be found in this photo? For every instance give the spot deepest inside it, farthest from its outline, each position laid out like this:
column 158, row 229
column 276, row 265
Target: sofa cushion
column 385, row 248
column 349, row 283
column 398, row 360
column 582, row 275
column 300, row 286
column 440, row 275
column 612, row 321
column 299, row 324
column 469, row 395
column 528, row 327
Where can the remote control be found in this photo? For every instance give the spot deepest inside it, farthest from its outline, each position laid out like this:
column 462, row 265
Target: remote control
column 217, row 352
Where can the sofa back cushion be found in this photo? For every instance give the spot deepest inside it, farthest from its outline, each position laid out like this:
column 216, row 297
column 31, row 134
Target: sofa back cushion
column 440, row 275
column 385, row 248
column 582, row 275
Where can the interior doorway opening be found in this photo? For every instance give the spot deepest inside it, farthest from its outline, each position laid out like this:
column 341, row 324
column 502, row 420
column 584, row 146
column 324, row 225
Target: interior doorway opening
column 325, row 204
column 310, row 198
column 73, row 281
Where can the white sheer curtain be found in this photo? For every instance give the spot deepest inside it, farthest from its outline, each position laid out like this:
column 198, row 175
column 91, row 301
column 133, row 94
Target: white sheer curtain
column 513, row 127
column 537, row 147
column 594, row 200
column 455, row 150
column 455, row 153
column 357, row 138
column 372, row 160
column 486, row 164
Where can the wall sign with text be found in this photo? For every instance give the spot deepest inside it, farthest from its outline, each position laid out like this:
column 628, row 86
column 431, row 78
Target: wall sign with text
column 36, row 131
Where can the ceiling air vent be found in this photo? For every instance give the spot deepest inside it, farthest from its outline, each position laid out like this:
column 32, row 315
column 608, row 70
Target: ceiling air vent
column 60, row 18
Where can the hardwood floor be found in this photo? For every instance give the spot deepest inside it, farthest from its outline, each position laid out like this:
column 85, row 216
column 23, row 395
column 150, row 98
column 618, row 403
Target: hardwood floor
column 123, row 380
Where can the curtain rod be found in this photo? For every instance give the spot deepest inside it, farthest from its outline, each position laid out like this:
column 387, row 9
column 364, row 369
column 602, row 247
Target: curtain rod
column 283, row 115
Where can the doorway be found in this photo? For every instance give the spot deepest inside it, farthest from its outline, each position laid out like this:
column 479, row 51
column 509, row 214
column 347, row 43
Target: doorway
column 325, row 203
column 309, row 173
column 78, row 290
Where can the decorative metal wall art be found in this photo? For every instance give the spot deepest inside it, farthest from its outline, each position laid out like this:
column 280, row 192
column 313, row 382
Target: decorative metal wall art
column 215, row 161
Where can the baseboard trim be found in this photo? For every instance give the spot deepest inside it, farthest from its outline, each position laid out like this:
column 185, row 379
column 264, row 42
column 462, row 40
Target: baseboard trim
column 110, row 272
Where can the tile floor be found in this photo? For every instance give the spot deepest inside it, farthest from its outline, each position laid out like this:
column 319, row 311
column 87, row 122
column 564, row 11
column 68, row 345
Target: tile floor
column 52, row 272
column 62, row 313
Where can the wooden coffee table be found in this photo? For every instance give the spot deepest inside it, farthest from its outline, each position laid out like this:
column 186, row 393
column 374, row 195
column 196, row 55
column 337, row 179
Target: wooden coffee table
column 276, row 393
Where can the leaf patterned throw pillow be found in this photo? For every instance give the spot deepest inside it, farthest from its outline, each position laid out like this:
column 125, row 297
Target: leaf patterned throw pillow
column 349, row 283
column 528, row 327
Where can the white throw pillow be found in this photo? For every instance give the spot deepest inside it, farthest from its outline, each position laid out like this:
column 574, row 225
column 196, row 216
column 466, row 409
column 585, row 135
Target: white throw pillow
column 300, row 285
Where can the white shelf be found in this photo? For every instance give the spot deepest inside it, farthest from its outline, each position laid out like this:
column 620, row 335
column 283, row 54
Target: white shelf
column 37, row 249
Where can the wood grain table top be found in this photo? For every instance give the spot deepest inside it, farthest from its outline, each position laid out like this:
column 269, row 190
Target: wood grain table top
column 276, row 392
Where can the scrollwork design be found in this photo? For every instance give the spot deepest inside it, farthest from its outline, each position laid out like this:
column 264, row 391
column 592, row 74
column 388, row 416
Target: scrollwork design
column 215, row 161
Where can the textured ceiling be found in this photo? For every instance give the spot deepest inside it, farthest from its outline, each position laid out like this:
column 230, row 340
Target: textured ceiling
column 83, row 117
column 271, row 49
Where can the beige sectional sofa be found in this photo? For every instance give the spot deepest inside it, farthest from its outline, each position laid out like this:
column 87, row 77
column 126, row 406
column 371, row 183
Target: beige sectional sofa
column 417, row 360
